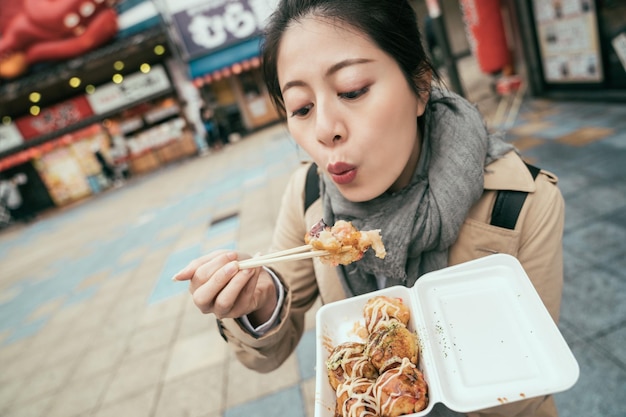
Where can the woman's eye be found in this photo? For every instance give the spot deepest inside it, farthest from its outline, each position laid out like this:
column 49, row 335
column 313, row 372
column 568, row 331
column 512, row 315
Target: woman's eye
column 351, row 95
column 302, row 111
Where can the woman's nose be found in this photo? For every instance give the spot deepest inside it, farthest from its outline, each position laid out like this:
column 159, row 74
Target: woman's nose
column 330, row 127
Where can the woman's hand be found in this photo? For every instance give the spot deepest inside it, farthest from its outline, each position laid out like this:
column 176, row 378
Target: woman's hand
column 218, row 286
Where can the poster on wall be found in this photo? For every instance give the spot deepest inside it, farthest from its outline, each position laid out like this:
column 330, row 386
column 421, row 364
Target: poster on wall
column 567, row 32
column 63, row 176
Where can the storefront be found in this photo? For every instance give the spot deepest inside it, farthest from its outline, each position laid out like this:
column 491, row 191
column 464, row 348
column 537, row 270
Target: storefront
column 116, row 106
column 137, row 125
column 574, row 48
column 220, row 41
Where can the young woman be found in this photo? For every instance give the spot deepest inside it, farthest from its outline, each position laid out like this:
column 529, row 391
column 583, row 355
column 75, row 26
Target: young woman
column 395, row 152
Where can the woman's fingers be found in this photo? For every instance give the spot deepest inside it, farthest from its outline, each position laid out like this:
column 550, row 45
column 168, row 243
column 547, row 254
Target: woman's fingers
column 189, row 271
column 225, row 292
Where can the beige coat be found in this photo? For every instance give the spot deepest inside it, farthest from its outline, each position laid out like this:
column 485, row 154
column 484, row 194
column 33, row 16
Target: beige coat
column 536, row 242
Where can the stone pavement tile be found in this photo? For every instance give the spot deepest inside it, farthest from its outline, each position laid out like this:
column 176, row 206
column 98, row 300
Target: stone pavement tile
column 245, row 385
column 189, row 237
column 598, row 200
column 99, row 359
column 539, row 114
column 139, row 405
column 599, row 379
column 68, row 350
column 193, row 352
column 149, row 338
column 42, row 382
column 527, row 142
column 605, row 162
column 308, row 396
column 12, row 351
column 8, row 391
column 112, row 329
column 530, row 129
column 606, row 239
column 193, row 395
column 167, row 310
column 194, row 322
column 309, row 317
column 23, row 367
column 38, row 407
column 618, row 140
column 594, row 298
column 134, row 254
column 614, row 342
column 45, row 310
column 306, row 354
column 134, row 375
column 586, row 135
column 79, row 397
column 287, row 402
column 219, row 242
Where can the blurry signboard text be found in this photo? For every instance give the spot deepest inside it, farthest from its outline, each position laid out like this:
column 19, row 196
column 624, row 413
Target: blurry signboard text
column 136, row 87
column 212, row 25
column 54, row 117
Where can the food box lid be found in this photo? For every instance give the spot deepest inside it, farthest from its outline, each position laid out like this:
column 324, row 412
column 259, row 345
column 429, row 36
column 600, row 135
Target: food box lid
column 485, row 336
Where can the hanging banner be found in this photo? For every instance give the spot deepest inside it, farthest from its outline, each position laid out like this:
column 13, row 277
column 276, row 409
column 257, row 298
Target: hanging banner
column 134, row 88
column 567, row 32
column 205, row 26
column 55, row 117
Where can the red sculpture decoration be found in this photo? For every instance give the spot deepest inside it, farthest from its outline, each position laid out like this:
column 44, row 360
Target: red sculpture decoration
column 49, row 30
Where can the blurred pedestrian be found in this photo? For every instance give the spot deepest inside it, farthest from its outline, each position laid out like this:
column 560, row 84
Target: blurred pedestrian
column 11, row 199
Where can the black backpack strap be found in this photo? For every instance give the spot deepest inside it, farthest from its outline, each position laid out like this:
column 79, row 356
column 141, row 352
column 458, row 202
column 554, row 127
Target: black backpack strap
column 509, row 204
column 311, row 187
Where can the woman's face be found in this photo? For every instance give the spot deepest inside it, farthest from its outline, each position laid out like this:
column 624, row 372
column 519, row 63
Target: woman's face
column 349, row 107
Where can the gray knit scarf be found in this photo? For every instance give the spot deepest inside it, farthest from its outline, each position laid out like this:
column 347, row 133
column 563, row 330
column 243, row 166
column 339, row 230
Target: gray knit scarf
column 419, row 223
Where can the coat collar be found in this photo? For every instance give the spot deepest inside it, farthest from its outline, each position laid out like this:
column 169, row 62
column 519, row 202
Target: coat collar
column 509, row 173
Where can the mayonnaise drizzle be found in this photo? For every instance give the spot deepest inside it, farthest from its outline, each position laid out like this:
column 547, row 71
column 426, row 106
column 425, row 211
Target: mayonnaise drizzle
column 361, row 401
column 392, row 397
column 381, row 310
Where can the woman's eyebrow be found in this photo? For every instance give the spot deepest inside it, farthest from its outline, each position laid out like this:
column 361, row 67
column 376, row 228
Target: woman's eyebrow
column 332, row 70
column 346, row 63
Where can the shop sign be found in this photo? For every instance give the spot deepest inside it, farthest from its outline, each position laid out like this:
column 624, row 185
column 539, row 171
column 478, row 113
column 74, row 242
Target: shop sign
column 568, row 41
column 54, row 118
column 210, row 25
column 10, row 137
column 134, row 88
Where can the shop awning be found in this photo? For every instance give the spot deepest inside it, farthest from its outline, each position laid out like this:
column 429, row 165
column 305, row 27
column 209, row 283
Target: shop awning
column 225, row 58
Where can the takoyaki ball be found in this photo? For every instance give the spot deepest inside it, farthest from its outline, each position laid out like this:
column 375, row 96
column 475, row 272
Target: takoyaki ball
column 382, row 308
column 355, row 398
column 401, row 390
column 389, row 344
column 348, row 360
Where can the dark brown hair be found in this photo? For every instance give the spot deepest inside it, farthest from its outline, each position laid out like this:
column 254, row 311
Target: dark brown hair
column 391, row 24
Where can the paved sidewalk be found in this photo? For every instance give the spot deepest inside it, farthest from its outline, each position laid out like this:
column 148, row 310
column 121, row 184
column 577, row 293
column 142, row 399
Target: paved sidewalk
column 91, row 325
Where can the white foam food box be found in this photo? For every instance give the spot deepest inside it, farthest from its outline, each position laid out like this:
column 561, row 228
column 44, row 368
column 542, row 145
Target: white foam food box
column 485, row 337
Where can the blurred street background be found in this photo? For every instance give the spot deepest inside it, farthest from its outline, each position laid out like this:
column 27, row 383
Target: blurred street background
column 193, row 158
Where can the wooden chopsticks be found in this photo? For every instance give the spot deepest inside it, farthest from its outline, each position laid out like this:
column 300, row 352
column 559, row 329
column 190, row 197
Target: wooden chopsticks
column 293, row 254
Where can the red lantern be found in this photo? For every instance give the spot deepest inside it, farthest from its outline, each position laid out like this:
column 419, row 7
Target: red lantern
column 483, row 19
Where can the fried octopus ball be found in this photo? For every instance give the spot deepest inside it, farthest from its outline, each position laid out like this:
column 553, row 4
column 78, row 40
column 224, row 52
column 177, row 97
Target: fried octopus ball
column 356, row 398
column 401, row 390
column 389, row 344
column 383, row 308
column 348, row 360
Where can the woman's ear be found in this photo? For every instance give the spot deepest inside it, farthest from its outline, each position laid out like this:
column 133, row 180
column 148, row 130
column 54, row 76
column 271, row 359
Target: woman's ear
column 422, row 81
